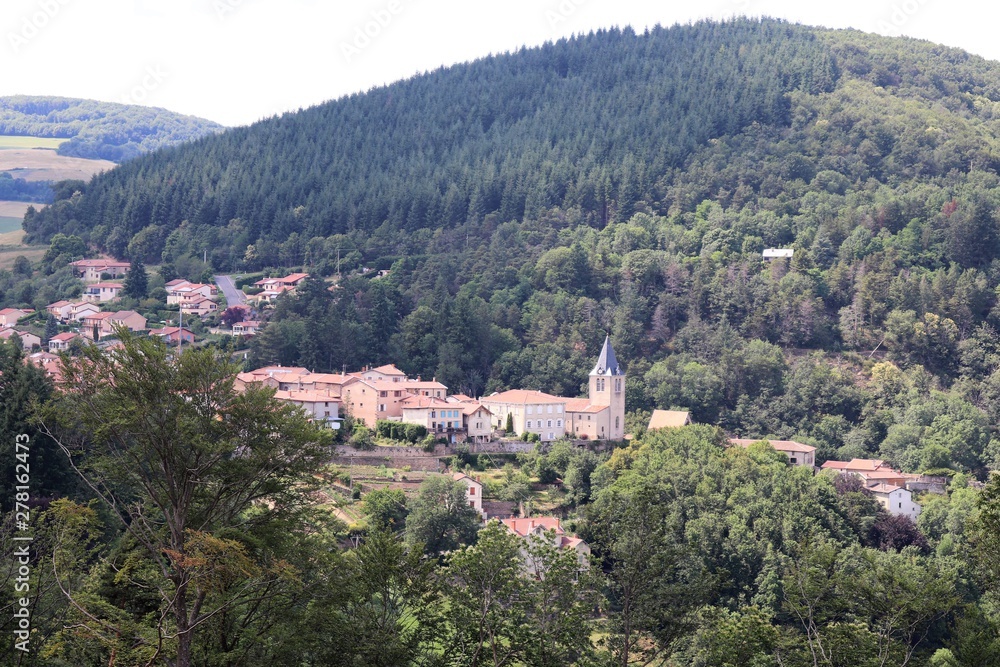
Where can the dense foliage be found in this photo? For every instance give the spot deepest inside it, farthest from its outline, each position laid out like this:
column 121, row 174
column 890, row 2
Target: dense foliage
column 627, row 183
column 99, row 130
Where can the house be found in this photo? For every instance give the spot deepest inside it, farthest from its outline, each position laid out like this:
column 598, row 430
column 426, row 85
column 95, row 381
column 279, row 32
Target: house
column 474, row 492
column 61, row 342
column 10, row 316
column 246, row 328
column 199, row 305
column 129, row 319
column 93, row 325
column 173, row 335
column 183, row 292
column 778, row 253
column 49, row 363
column 797, row 453
column 61, row 310
column 289, row 282
column 388, row 373
column 476, row 420
column 543, row 529
column 320, row 406
column 102, row 292
column 28, row 340
column 93, row 270
column 276, row 377
column 438, row 416
column 896, row 500
column 81, row 309
column 869, row 470
column 668, row 419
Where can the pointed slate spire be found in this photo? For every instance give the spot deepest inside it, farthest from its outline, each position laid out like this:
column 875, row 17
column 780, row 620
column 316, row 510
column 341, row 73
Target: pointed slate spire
column 607, row 364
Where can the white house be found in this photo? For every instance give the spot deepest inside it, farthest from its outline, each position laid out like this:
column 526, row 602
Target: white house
column 778, row 253
column 896, row 500
column 474, row 492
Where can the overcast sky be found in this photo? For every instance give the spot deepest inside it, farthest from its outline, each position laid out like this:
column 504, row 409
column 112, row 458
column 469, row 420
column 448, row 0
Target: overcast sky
column 236, row 61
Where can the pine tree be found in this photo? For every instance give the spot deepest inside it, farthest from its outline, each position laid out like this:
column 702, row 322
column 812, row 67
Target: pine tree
column 136, row 281
column 51, row 329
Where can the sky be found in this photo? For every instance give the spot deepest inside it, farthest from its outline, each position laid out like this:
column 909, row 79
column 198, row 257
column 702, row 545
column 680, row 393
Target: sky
column 237, row 61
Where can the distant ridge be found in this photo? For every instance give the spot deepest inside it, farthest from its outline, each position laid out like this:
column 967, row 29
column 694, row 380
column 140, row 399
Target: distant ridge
column 99, row 130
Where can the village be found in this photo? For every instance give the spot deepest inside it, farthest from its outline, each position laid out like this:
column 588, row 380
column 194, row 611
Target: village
column 404, row 430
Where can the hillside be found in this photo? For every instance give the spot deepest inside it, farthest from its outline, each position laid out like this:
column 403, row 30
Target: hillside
column 99, row 130
column 528, row 202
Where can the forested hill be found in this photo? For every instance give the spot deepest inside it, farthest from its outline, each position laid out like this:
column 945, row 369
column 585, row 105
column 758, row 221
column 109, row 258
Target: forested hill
column 99, row 130
column 591, row 122
column 528, row 202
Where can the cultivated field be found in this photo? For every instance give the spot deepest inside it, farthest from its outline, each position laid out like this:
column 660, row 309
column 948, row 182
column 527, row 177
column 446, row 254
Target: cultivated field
column 17, row 209
column 10, row 248
column 9, row 224
column 9, row 141
column 45, row 165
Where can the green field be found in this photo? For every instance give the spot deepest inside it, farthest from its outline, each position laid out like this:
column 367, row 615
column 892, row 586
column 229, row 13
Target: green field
column 8, row 141
column 8, row 224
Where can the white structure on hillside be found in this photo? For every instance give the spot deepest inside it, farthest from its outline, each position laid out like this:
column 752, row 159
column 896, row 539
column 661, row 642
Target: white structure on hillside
column 896, row 500
column 541, row 530
column 474, row 492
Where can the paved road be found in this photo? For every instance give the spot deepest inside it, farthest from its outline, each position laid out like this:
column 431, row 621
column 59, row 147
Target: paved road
column 234, row 297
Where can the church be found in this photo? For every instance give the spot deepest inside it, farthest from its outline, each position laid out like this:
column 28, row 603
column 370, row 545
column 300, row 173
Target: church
column 599, row 416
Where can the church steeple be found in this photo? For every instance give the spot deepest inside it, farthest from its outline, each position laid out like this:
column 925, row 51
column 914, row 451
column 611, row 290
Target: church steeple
column 607, row 363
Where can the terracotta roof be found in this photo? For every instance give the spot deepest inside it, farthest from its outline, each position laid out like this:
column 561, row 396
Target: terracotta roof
column 880, row 487
column 471, row 408
column 458, row 476
column 280, row 372
column 668, row 419
column 857, row 465
column 63, row 337
column 424, row 402
column 307, row 396
column 583, row 405
column 329, row 378
column 525, row 527
column 461, row 398
column 522, row 397
column 98, row 262
column 105, row 286
column 780, row 445
column 388, row 369
column 59, row 304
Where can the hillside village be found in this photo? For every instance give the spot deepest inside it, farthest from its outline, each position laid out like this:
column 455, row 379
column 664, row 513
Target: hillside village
column 376, row 398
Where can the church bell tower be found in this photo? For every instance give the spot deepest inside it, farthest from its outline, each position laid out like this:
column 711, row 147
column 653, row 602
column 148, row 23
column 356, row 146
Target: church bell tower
column 607, row 388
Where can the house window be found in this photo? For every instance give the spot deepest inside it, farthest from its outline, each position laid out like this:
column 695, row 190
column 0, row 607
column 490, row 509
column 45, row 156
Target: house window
column 433, row 414
column 551, row 436
column 472, row 503
column 559, row 409
column 559, row 423
column 550, row 423
column 383, row 394
column 618, row 385
column 550, row 409
column 381, row 407
column 472, row 490
column 900, row 505
column 529, row 424
column 792, row 459
column 617, row 420
column 531, row 410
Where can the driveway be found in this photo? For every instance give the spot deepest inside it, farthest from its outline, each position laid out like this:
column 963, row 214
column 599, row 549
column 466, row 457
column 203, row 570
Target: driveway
column 234, row 297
